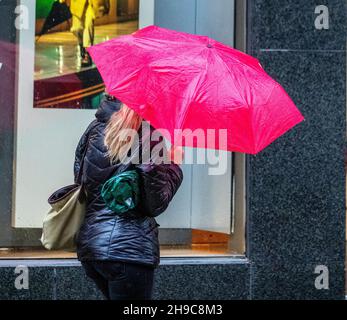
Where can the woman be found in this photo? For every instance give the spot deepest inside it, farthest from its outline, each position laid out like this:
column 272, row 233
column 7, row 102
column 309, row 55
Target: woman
column 121, row 252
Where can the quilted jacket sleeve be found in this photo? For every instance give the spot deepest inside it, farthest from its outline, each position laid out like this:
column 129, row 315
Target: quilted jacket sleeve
column 158, row 184
column 80, row 149
column 159, row 181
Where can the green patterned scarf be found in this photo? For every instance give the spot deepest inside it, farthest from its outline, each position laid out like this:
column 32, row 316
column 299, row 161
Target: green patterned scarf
column 121, row 192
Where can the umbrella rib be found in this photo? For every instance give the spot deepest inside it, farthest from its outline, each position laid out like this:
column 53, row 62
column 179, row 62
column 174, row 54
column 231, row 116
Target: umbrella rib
column 239, row 89
column 198, row 81
column 244, row 100
column 227, row 50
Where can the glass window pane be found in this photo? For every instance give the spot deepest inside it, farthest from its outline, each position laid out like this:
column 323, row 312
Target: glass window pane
column 58, row 90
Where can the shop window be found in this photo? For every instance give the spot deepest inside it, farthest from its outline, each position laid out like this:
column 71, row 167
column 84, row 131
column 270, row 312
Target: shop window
column 57, row 94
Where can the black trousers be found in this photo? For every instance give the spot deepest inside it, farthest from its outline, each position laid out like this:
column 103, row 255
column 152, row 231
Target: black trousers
column 119, row 280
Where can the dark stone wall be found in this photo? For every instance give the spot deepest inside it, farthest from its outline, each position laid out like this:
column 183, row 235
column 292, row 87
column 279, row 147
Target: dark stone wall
column 198, row 279
column 296, row 187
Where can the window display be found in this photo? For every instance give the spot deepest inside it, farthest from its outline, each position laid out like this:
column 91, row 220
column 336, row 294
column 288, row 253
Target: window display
column 65, row 76
column 58, row 90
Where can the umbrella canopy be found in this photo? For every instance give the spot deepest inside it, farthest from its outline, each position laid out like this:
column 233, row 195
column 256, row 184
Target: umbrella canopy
column 59, row 13
column 177, row 80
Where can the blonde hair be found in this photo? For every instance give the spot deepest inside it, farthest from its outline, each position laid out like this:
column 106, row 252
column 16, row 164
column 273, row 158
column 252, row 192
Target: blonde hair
column 117, row 138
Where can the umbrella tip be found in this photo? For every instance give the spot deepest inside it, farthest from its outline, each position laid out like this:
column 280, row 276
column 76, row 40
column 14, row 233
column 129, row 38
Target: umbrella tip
column 209, row 45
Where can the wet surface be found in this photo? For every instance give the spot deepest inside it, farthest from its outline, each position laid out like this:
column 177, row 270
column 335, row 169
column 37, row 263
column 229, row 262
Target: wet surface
column 58, row 53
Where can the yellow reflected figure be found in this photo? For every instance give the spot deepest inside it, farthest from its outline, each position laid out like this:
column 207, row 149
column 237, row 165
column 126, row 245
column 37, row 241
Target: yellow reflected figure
column 84, row 13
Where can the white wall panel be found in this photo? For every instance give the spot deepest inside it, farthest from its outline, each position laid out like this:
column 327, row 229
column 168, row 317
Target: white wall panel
column 45, row 138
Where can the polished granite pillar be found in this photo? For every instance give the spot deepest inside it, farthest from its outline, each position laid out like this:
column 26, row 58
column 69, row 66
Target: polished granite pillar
column 296, row 187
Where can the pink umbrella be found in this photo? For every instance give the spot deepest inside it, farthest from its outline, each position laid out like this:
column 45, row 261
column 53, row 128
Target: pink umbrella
column 177, row 80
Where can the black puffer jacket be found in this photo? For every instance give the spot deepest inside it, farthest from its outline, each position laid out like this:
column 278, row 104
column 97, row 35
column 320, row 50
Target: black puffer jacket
column 132, row 236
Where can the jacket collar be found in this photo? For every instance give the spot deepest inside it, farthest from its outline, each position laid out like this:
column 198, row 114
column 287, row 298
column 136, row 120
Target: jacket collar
column 107, row 108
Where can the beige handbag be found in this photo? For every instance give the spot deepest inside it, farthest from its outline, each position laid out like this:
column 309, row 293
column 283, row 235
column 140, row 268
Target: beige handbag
column 64, row 219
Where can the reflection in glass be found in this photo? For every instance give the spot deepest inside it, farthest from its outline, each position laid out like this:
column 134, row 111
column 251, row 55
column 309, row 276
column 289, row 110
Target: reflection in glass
column 64, row 75
column 199, row 223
